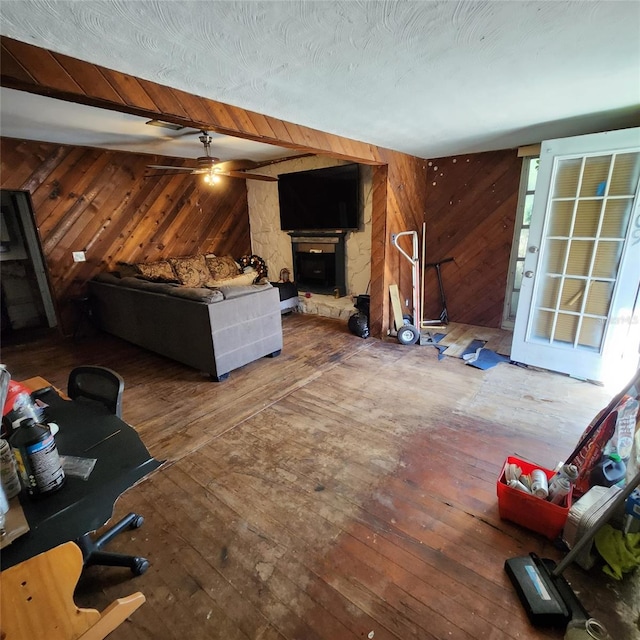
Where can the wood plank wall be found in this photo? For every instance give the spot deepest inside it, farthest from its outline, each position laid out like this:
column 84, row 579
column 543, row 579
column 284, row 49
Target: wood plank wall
column 470, row 201
column 29, row 68
column 471, row 204
column 405, row 212
column 98, row 201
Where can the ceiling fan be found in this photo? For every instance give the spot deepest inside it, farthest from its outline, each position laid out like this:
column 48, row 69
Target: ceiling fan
column 211, row 167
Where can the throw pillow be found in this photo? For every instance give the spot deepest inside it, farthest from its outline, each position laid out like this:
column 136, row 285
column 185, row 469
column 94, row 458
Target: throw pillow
column 191, row 271
column 160, row 271
column 222, row 268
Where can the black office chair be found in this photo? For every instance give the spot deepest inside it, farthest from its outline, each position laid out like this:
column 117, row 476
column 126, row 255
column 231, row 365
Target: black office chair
column 99, row 384
column 93, row 554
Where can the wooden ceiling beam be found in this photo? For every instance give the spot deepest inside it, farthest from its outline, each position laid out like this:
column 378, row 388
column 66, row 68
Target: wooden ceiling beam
column 35, row 70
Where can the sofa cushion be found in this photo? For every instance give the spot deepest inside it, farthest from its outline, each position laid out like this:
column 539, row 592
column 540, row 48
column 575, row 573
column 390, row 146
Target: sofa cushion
column 222, row 268
column 197, row 294
column 107, row 276
column 147, row 285
column 236, row 281
column 160, row 271
column 236, row 292
column 191, row 271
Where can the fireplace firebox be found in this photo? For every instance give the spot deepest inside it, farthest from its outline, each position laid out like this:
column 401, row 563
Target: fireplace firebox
column 319, row 262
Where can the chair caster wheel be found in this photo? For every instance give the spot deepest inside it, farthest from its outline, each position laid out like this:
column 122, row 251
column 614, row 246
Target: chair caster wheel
column 139, row 566
column 137, row 522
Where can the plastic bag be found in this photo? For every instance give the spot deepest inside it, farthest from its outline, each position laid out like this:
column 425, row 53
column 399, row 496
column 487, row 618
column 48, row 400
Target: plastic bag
column 359, row 325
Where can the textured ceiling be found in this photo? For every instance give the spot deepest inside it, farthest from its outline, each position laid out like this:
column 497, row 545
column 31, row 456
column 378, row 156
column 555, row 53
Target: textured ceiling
column 428, row 78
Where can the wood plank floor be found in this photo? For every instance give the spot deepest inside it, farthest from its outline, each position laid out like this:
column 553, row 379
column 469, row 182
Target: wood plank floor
column 343, row 490
column 458, row 337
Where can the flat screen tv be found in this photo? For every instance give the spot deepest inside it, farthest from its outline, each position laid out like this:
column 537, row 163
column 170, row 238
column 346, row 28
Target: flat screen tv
column 320, row 199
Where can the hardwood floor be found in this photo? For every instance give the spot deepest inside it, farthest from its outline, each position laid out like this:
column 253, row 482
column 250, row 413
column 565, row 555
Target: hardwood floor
column 346, row 489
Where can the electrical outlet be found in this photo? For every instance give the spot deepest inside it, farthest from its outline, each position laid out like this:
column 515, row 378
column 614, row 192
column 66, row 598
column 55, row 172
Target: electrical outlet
column 406, row 302
column 78, row 256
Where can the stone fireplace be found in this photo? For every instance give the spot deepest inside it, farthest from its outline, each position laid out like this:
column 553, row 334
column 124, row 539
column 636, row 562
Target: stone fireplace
column 319, row 262
column 277, row 247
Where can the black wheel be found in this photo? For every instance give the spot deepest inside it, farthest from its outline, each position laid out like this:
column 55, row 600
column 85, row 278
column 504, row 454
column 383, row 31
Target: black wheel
column 140, row 565
column 408, row 334
column 137, row 522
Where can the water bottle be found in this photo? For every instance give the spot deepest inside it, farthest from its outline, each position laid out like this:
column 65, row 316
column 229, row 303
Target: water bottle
column 608, row 472
column 37, row 458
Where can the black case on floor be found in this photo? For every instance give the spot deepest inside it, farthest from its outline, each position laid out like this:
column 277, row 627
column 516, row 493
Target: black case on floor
column 537, row 591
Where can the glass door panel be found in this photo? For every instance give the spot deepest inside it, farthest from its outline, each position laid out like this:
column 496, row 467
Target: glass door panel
column 594, row 178
column 616, row 218
column 599, row 298
column 608, row 259
column 591, row 333
column 625, row 175
column 568, row 175
column 580, row 257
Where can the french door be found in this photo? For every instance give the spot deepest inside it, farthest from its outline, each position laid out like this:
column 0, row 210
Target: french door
column 577, row 310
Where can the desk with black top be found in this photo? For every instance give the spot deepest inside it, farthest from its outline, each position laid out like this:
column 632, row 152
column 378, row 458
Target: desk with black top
column 81, row 506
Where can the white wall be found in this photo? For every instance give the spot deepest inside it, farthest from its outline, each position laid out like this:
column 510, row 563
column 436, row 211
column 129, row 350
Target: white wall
column 274, row 245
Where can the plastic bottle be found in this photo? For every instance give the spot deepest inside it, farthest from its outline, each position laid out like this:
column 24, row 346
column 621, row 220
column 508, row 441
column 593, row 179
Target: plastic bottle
column 19, row 405
column 4, row 508
column 37, row 458
column 8, row 471
column 608, row 472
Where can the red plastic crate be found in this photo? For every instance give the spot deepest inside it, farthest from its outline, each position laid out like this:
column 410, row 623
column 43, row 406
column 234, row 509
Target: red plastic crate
column 533, row 513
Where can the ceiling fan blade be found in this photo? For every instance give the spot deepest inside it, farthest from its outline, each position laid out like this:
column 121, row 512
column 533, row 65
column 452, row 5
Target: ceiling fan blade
column 170, row 167
column 241, row 164
column 247, row 176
